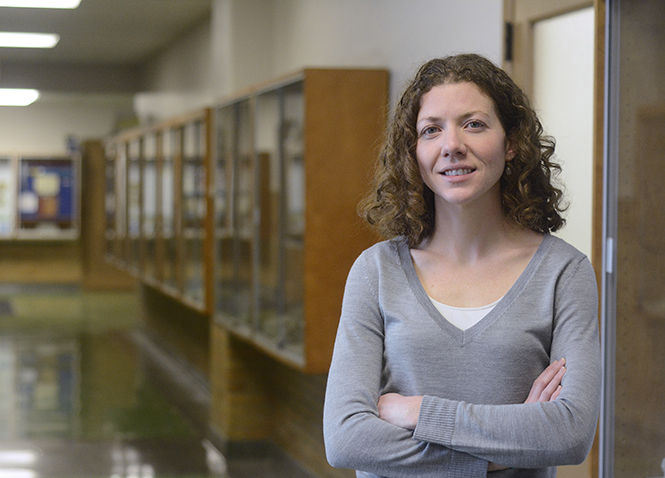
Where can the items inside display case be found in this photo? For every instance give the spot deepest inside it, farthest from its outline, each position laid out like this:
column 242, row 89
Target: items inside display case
column 149, row 200
column 255, row 219
column 160, row 188
column 298, row 159
column 168, row 257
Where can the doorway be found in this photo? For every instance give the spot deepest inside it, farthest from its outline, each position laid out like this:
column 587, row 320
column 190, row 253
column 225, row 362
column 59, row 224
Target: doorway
column 551, row 53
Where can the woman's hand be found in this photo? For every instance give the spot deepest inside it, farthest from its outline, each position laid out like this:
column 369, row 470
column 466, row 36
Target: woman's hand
column 545, row 388
column 400, row 410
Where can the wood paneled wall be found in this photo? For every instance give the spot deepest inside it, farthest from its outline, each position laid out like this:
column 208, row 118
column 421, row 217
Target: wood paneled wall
column 255, row 397
column 177, row 328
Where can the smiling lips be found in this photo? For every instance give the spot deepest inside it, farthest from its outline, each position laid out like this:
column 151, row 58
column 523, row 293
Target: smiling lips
column 457, row 172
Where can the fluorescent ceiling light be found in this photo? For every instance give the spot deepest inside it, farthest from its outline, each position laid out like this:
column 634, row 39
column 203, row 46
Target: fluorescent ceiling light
column 28, row 40
column 40, row 3
column 17, row 96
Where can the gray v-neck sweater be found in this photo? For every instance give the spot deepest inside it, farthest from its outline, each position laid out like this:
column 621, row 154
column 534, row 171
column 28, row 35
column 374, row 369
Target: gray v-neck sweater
column 391, row 338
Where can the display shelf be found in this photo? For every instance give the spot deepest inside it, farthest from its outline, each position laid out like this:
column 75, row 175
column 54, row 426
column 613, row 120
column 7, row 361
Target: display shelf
column 157, row 211
column 292, row 159
column 39, row 197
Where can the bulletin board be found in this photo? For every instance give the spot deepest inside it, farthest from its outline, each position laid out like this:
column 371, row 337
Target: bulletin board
column 39, row 197
column 47, row 193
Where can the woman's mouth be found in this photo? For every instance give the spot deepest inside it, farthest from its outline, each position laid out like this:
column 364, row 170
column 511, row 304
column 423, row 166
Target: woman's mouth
column 457, row 171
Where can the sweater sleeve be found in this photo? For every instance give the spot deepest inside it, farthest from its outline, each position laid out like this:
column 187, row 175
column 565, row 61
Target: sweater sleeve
column 355, row 437
column 539, row 434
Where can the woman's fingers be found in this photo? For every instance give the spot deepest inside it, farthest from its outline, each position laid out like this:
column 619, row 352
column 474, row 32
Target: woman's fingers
column 555, row 395
column 548, row 392
column 547, row 386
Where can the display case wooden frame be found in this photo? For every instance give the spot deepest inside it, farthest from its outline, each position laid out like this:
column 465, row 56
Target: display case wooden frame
column 304, row 256
column 158, row 224
column 40, row 197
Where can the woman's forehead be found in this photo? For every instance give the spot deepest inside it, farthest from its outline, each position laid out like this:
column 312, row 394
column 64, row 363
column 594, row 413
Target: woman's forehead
column 457, row 97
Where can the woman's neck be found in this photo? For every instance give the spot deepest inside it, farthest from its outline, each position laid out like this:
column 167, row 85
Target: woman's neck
column 466, row 233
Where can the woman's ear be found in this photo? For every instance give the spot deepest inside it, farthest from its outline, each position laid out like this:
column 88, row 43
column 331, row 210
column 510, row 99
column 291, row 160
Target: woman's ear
column 510, row 152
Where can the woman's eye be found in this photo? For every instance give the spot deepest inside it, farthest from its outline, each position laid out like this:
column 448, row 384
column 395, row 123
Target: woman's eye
column 428, row 131
column 475, row 124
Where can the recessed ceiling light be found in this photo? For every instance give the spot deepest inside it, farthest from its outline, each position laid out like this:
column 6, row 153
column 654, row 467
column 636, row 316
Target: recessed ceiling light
column 28, row 40
column 40, row 3
column 17, row 96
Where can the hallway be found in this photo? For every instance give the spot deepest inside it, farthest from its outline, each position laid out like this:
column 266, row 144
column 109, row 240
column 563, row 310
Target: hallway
column 85, row 393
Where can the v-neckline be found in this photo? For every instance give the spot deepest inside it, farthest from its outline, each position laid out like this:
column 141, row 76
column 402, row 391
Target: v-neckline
column 464, row 336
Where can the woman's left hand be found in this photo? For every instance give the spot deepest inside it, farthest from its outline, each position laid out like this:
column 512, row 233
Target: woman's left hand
column 400, row 410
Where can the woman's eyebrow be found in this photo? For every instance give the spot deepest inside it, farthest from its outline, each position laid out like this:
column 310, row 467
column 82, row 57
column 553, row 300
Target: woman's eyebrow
column 428, row 119
column 463, row 116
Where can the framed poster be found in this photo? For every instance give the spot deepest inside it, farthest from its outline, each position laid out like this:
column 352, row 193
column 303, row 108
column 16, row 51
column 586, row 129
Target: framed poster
column 47, row 194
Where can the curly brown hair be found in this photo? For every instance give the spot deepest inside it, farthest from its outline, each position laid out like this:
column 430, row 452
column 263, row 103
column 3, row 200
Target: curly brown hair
column 400, row 202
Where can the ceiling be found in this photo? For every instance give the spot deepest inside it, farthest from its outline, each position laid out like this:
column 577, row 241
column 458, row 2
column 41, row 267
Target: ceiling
column 102, row 42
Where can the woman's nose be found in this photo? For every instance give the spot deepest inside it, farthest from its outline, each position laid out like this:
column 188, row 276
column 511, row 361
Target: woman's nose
column 452, row 144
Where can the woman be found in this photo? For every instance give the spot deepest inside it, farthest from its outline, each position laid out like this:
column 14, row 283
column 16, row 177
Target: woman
column 457, row 331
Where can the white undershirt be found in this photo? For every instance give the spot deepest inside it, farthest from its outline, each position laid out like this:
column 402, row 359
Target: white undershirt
column 463, row 317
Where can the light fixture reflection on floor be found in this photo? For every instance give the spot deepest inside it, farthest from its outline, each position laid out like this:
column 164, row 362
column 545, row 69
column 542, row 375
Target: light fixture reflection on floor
column 17, row 458
column 16, row 473
column 28, row 40
column 40, row 3
column 18, row 96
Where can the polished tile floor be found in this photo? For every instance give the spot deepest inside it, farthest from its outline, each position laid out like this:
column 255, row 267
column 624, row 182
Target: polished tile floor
column 85, row 393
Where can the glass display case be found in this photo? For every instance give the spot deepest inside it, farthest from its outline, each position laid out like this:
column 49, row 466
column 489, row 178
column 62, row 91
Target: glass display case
column 234, row 179
column 193, row 209
column 149, row 207
column 110, row 198
column 116, row 219
column 280, row 202
column 169, row 256
column 300, row 159
column 134, row 202
column 157, row 177
column 224, row 273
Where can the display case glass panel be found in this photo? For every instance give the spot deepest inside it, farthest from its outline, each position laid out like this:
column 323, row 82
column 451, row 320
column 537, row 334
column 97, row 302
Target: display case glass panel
column 110, row 198
column 268, row 268
column 120, row 160
column 134, row 153
column 149, row 210
column 7, row 197
column 47, row 205
column 293, row 222
column 224, row 153
column 170, row 144
column 193, row 209
column 243, row 224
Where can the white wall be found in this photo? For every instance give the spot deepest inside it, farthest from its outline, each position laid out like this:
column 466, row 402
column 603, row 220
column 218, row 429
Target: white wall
column 43, row 127
column 179, row 79
column 396, row 34
column 563, row 98
column 252, row 41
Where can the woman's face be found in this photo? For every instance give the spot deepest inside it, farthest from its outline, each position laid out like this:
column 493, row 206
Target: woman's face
column 461, row 147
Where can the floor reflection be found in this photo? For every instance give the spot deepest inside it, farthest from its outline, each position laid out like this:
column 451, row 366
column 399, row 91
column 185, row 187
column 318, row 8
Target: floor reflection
column 78, row 396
